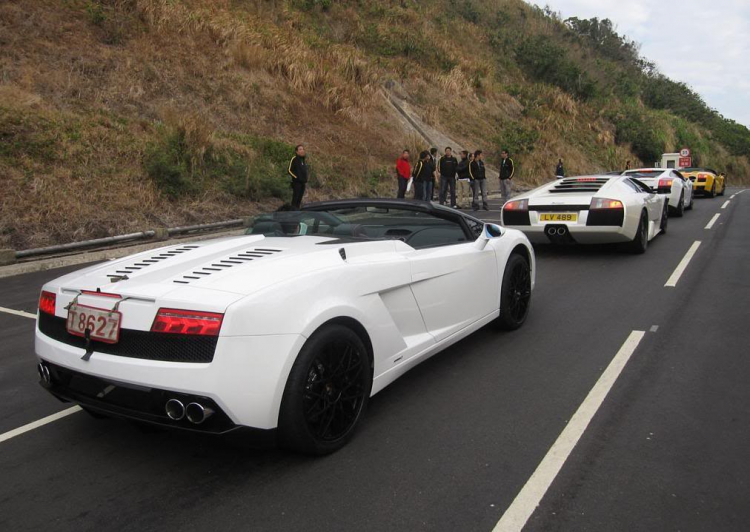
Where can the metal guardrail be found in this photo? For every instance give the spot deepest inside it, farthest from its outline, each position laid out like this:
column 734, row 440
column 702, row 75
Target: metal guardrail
column 158, row 234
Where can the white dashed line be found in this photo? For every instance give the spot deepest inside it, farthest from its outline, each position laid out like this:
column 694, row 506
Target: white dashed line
column 725, row 204
column 672, row 281
column 711, row 223
column 18, row 313
column 38, row 423
column 654, row 328
column 527, row 500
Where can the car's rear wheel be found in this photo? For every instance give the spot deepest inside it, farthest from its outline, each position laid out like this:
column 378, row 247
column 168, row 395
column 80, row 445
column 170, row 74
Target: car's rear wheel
column 712, row 192
column 515, row 294
column 723, row 189
column 326, row 393
column 689, row 206
column 664, row 218
column 679, row 211
column 639, row 244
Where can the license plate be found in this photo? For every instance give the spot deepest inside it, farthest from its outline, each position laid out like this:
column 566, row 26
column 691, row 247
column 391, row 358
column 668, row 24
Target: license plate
column 103, row 324
column 558, row 217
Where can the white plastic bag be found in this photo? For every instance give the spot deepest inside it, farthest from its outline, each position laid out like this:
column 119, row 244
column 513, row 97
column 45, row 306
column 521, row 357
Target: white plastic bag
column 408, row 185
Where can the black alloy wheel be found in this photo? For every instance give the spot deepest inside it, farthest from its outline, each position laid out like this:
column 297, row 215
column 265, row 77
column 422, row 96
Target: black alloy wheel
column 515, row 295
column 713, row 191
column 327, row 392
column 664, row 217
column 639, row 244
column 680, row 210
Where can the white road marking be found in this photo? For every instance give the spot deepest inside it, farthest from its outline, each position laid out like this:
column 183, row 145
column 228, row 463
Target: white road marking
column 527, row 500
column 725, row 204
column 38, row 423
column 18, row 313
column 654, row 328
column 672, row 281
column 733, row 195
column 711, row 223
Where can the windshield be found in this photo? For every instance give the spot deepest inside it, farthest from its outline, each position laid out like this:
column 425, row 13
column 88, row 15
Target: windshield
column 363, row 222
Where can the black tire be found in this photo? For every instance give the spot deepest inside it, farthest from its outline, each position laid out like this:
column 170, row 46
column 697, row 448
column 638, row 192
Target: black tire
column 692, row 201
column 316, row 417
column 639, row 244
column 515, row 294
column 723, row 189
column 712, row 193
column 679, row 212
column 664, row 218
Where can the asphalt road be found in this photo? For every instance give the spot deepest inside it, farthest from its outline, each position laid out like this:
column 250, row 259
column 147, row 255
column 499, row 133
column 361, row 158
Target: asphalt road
column 451, row 444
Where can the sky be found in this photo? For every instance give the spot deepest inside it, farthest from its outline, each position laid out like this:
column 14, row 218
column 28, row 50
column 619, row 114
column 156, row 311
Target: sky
column 704, row 43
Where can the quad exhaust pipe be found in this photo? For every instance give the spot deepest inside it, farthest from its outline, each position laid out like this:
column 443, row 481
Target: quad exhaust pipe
column 557, row 231
column 195, row 413
column 44, row 375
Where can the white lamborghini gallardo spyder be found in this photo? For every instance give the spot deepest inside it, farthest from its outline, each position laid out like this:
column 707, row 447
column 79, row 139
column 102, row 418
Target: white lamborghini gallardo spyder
column 595, row 209
column 667, row 182
column 286, row 331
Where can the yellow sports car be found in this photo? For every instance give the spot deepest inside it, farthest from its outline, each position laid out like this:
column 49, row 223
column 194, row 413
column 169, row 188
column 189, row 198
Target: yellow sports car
column 706, row 181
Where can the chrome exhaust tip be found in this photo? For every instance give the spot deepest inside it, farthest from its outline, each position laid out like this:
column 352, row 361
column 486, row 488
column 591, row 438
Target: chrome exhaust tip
column 551, row 231
column 175, row 409
column 44, row 375
column 196, row 413
column 562, row 230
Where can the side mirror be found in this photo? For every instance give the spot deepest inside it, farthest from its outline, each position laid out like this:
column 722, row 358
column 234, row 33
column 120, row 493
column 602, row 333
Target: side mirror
column 489, row 231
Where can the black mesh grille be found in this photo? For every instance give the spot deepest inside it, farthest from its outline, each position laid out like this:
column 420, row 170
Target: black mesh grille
column 138, row 344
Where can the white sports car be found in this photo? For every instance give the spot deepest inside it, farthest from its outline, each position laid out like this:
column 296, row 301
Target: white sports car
column 287, row 331
column 668, row 182
column 589, row 210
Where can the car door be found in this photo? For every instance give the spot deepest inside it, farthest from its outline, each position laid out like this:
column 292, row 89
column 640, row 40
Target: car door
column 455, row 285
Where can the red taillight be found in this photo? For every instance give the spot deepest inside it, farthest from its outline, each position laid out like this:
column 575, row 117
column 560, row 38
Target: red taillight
column 517, row 205
column 176, row 321
column 586, row 179
column 602, row 203
column 701, row 178
column 47, row 302
column 665, row 183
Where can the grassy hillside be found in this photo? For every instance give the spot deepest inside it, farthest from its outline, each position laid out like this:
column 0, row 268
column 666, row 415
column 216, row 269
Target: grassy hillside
column 122, row 115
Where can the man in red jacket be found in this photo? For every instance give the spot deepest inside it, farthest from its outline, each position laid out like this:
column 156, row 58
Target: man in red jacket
column 403, row 173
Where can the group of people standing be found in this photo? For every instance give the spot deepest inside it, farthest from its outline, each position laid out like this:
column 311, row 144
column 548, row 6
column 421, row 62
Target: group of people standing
column 466, row 176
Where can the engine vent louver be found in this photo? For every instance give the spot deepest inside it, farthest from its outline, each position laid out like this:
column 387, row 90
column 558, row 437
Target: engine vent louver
column 156, row 259
column 229, row 262
column 574, row 185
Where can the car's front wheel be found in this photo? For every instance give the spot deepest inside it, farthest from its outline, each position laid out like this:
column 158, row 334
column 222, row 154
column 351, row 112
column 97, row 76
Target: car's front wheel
column 326, row 393
column 515, row 294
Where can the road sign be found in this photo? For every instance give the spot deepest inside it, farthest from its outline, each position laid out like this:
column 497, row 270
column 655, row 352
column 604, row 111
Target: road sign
column 686, row 162
column 684, row 152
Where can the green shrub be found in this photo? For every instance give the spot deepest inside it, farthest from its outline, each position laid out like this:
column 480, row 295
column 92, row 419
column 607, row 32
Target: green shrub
column 167, row 162
column 548, row 63
column 516, row 138
column 642, row 131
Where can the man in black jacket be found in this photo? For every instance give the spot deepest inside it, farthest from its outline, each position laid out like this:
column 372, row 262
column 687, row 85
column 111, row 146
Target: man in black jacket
column 448, row 166
column 559, row 169
column 506, row 175
column 423, row 172
column 479, row 181
column 298, row 172
column 464, row 183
